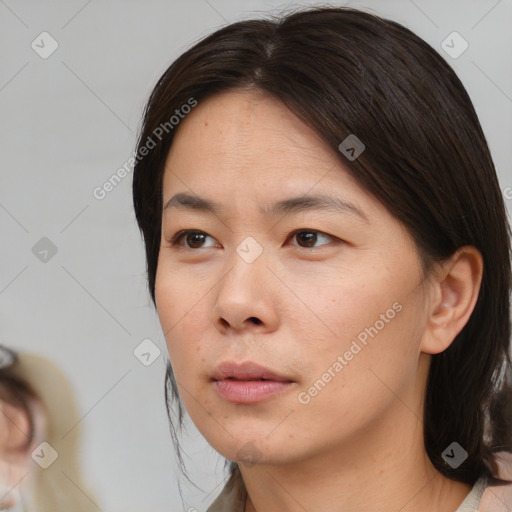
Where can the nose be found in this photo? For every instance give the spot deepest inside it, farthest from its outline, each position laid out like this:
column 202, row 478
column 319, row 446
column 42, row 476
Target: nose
column 247, row 298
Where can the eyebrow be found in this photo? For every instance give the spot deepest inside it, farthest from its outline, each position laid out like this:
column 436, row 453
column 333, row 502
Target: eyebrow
column 291, row 205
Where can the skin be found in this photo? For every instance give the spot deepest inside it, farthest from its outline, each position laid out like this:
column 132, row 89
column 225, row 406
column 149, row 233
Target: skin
column 15, row 460
column 359, row 441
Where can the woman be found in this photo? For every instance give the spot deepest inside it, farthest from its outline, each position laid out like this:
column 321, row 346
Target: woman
column 20, row 415
column 40, row 469
column 328, row 252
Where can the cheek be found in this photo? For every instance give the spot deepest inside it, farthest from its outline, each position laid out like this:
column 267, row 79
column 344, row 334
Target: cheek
column 14, row 422
column 183, row 314
column 366, row 329
column 340, row 306
column 352, row 383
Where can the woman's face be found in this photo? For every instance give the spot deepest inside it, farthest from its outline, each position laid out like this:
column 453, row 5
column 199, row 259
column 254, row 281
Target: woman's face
column 293, row 274
column 14, row 455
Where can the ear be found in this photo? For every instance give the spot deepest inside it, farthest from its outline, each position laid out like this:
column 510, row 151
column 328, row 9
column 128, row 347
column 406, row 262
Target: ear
column 454, row 292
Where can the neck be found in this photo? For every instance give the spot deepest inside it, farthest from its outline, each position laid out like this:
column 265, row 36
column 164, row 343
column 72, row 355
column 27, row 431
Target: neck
column 382, row 468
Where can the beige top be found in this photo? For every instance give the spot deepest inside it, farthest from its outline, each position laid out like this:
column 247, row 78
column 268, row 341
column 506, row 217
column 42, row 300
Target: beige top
column 482, row 497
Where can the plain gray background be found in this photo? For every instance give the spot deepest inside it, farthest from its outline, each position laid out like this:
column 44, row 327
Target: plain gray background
column 68, row 122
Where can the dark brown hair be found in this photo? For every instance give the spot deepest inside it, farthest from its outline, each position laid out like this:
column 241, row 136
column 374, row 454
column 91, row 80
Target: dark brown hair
column 344, row 71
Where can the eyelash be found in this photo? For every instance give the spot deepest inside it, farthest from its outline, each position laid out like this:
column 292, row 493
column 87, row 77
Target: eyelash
column 176, row 240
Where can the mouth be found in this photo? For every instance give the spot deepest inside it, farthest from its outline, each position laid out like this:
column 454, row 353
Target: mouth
column 248, row 383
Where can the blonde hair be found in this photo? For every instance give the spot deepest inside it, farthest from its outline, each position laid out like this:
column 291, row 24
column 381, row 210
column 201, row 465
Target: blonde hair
column 60, row 487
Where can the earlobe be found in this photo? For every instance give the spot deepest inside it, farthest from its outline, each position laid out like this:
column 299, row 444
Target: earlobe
column 456, row 287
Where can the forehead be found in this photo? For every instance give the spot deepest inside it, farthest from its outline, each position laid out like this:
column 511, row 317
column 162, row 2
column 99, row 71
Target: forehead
column 248, row 135
column 245, row 148
column 246, row 128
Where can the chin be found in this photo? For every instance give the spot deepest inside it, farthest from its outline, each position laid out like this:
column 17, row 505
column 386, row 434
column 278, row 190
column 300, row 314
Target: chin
column 253, row 449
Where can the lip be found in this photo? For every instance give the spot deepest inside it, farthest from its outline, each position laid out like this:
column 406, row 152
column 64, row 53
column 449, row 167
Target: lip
column 248, row 382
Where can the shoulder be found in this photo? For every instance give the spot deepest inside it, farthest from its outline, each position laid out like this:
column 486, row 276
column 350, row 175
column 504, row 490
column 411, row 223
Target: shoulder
column 233, row 495
column 498, row 498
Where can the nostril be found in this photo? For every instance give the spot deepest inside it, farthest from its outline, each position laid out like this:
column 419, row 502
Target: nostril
column 253, row 319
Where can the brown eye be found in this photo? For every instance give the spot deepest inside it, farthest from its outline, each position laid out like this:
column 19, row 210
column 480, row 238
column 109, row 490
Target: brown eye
column 308, row 238
column 193, row 239
column 196, row 239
